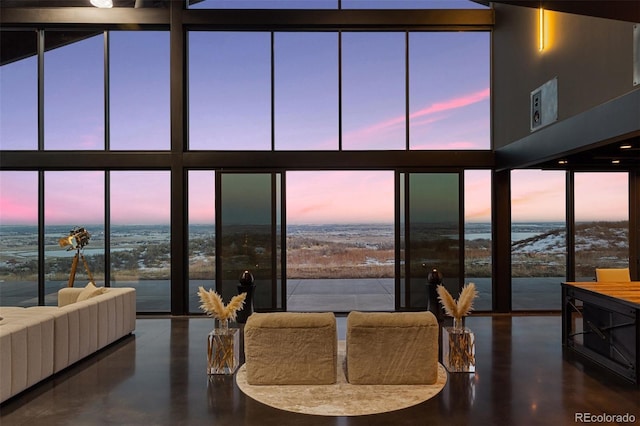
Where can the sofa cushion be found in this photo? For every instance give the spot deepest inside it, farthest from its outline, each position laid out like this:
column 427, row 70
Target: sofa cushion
column 90, row 291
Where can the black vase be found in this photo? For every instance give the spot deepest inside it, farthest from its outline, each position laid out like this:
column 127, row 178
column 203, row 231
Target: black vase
column 434, row 279
column 246, row 285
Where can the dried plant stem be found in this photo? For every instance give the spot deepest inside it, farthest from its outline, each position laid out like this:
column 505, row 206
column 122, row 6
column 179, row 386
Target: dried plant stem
column 461, row 351
column 212, row 304
column 463, row 306
column 221, row 353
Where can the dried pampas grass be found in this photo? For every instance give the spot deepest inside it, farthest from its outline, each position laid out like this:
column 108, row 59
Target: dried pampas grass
column 212, row 304
column 463, row 306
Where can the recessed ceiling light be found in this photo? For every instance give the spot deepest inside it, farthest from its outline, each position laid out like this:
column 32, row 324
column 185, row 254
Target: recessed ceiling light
column 626, row 146
column 563, row 161
column 615, row 161
column 103, row 4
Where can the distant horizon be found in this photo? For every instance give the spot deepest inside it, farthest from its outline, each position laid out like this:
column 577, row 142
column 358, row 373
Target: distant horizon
column 89, row 225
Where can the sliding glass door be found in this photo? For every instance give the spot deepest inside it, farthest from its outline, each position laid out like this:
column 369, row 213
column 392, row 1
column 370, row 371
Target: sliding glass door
column 429, row 234
column 250, row 233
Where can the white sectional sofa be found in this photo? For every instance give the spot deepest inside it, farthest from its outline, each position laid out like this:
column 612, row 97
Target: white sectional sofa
column 39, row 341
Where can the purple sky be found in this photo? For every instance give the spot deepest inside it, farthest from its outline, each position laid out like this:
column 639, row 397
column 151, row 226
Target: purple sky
column 230, row 107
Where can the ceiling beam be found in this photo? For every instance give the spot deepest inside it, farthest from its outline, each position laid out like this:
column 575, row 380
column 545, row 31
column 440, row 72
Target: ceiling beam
column 620, row 10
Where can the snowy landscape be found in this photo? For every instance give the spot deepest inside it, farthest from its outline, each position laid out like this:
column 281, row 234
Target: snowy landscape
column 313, row 251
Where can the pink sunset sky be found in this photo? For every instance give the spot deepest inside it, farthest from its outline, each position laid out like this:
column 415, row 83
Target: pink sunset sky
column 312, row 197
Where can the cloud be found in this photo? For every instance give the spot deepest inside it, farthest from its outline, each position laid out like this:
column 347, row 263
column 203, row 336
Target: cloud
column 303, row 211
column 427, row 115
column 454, row 103
column 446, row 145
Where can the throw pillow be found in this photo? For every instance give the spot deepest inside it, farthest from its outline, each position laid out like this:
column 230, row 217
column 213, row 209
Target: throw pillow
column 90, row 291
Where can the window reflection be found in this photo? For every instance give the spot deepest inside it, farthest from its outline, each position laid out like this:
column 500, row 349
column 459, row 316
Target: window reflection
column 431, row 233
column 246, row 235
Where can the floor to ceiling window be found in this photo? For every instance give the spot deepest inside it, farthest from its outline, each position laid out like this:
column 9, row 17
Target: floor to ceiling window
column 104, row 98
column 140, row 236
column 430, row 234
column 73, row 200
column 201, row 234
column 538, row 238
column 249, row 232
column 602, row 222
column 340, row 240
column 19, row 238
column 477, row 235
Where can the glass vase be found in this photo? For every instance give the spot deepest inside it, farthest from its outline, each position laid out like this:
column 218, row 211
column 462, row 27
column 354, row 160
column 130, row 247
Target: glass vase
column 223, row 345
column 458, row 349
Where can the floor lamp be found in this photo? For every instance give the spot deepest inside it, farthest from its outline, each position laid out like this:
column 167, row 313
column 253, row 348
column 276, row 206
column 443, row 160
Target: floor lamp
column 77, row 239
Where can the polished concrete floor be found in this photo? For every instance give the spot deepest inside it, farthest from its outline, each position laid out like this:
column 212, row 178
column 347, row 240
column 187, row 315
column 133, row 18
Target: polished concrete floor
column 157, row 377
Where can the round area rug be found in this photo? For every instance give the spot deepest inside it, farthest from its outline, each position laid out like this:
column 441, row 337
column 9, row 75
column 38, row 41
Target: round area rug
column 342, row 398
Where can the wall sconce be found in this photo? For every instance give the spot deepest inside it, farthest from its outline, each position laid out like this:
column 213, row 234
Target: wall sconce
column 541, row 29
column 103, row 4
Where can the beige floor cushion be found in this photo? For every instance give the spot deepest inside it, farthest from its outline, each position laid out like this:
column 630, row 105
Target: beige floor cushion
column 292, row 348
column 392, row 348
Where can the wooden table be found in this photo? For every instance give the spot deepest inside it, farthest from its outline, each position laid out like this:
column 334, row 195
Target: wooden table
column 600, row 323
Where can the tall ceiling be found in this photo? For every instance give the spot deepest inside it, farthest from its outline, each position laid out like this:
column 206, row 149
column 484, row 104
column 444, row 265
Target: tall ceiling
column 621, row 10
column 614, row 154
column 608, row 154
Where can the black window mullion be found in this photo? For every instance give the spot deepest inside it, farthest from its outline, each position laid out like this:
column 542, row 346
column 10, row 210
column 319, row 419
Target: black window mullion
column 273, row 93
column 339, row 90
column 41, row 263
column 107, row 80
column 107, row 228
column 406, row 88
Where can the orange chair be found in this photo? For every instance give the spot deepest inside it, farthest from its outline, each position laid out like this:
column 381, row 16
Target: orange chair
column 615, row 275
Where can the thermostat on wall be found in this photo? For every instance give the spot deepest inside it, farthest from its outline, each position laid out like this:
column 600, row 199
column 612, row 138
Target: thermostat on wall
column 544, row 104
